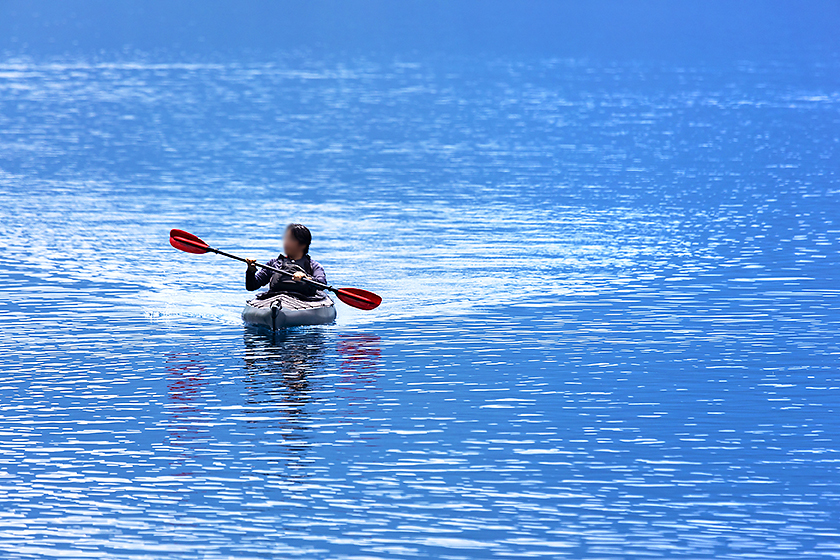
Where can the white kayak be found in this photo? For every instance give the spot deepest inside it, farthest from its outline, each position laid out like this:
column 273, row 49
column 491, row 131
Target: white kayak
column 287, row 310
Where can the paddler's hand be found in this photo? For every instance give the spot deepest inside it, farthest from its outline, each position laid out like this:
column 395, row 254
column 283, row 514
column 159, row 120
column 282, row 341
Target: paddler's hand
column 298, row 276
column 252, row 264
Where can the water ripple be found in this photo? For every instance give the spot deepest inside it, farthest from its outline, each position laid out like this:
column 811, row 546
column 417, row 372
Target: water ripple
column 610, row 322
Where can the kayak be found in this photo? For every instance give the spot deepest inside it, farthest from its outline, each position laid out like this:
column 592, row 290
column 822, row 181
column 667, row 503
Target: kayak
column 289, row 310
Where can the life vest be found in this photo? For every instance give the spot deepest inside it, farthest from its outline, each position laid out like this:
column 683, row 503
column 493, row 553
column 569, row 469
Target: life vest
column 282, row 283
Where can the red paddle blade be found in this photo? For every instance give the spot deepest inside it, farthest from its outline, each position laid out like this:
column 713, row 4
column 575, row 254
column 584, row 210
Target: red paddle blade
column 187, row 242
column 360, row 299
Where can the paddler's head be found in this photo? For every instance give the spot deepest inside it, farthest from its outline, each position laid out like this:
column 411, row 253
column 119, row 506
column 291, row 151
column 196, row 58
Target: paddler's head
column 296, row 241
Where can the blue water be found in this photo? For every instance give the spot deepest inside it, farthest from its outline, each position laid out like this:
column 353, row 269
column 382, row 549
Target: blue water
column 611, row 318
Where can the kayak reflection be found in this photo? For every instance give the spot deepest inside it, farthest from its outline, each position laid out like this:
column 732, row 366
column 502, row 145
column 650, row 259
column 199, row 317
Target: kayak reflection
column 279, row 368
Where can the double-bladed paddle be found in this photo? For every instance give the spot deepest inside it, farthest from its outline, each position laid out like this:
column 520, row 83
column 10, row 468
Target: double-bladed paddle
column 354, row 297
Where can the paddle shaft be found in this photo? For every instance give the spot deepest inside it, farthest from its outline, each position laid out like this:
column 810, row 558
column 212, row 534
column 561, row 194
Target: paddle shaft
column 271, row 268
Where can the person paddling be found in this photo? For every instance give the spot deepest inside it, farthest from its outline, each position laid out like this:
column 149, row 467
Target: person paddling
column 296, row 241
column 354, row 297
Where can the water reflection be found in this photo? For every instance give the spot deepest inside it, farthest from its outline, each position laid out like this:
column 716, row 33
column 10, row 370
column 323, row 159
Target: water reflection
column 185, row 429
column 280, row 367
column 359, row 366
column 360, row 355
column 289, row 356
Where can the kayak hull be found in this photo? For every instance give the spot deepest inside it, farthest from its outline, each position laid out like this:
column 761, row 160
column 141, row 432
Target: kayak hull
column 286, row 310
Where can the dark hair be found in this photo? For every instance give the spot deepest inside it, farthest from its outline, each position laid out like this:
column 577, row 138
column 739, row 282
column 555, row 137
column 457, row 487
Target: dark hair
column 301, row 233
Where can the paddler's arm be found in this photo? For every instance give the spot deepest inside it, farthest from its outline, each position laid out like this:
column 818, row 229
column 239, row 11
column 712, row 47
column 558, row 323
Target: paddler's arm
column 256, row 279
column 318, row 273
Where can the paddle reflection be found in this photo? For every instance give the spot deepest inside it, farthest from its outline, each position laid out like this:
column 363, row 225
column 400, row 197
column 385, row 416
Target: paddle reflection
column 359, row 365
column 185, row 427
column 360, row 356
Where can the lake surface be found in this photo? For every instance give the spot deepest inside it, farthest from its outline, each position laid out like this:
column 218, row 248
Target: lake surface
column 611, row 318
